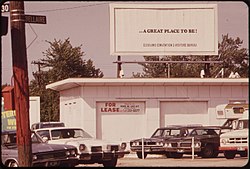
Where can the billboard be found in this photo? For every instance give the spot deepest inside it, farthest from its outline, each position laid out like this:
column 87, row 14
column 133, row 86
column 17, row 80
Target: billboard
column 163, row 29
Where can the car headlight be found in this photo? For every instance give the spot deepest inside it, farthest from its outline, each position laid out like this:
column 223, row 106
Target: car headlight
column 160, row 143
column 82, row 147
column 135, row 143
column 168, row 145
column 224, row 141
column 72, row 152
column 67, row 153
column 34, row 157
column 198, row 144
column 123, row 146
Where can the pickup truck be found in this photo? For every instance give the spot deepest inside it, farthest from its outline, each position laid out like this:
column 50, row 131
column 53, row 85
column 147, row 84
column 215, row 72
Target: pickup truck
column 236, row 141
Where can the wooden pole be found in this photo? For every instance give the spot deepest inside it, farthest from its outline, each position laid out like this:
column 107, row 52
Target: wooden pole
column 21, row 88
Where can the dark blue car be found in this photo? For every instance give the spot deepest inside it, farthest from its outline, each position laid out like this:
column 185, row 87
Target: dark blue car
column 43, row 154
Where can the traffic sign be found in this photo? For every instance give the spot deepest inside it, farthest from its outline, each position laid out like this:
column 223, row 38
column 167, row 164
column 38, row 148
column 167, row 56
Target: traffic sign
column 35, row 19
column 5, row 8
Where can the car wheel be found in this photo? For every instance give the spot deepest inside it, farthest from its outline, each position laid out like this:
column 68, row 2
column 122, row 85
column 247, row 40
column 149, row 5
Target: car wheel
column 139, row 155
column 168, row 155
column 216, row 153
column 110, row 163
column 243, row 154
column 174, row 155
column 229, row 154
column 208, row 151
column 12, row 164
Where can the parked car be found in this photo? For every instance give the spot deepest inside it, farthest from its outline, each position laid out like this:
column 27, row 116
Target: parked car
column 156, row 143
column 90, row 150
column 206, row 142
column 47, row 125
column 43, row 154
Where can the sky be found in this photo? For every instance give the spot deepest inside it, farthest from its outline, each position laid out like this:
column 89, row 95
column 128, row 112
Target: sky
column 86, row 23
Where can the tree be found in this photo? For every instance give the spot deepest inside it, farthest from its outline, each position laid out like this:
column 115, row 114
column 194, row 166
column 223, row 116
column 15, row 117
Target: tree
column 61, row 61
column 234, row 57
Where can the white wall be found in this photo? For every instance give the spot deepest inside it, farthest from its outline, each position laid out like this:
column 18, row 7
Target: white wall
column 83, row 110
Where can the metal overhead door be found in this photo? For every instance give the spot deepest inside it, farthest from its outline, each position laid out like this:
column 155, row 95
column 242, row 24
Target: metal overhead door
column 183, row 112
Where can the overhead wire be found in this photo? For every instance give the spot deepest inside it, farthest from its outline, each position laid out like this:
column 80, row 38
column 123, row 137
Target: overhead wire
column 68, row 8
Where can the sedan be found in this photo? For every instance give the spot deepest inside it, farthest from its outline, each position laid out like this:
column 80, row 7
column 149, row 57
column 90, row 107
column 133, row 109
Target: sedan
column 43, row 154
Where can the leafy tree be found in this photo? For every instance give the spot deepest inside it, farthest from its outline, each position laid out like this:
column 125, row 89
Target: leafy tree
column 61, row 61
column 234, row 57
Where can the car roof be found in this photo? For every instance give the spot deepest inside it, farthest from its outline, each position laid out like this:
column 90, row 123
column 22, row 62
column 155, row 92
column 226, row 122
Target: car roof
column 57, row 128
column 8, row 131
column 212, row 127
column 178, row 127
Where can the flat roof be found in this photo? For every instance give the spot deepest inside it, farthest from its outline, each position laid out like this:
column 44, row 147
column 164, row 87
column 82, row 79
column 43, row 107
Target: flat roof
column 78, row 82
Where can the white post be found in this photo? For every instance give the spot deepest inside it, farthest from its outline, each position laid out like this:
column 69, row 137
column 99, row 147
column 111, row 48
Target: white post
column 192, row 148
column 142, row 148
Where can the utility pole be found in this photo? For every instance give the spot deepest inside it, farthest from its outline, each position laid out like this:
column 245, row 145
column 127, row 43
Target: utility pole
column 21, row 88
column 37, row 74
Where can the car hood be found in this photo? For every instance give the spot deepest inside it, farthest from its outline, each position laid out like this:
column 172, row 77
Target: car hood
column 86, row 141
column 236, row 133
column 148, row 140
column 44, row 147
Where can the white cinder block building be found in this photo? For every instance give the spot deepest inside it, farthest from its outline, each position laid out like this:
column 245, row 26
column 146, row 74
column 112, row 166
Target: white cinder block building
column 124, row 109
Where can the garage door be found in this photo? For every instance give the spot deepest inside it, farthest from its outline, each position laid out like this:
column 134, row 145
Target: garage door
column 120, row 121
column 183, row 112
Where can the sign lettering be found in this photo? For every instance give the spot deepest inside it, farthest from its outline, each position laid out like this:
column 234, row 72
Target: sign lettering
column 121, row 107
column 38, row 19
column 5, row 8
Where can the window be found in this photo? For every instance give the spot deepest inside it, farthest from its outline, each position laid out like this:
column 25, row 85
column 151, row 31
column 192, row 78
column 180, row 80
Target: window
column 44, row 133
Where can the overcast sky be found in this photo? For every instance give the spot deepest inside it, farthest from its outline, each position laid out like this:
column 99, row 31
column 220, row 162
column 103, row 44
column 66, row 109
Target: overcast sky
column 87, row 23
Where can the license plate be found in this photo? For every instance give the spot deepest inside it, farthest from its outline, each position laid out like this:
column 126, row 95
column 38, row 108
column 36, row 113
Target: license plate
column 53, row 163
column 241, row 149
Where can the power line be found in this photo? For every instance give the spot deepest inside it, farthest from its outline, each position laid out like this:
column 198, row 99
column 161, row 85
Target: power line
column 69, row 8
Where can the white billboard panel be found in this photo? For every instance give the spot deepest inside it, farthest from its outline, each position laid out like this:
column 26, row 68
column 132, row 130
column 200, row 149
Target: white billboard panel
column 163, row 29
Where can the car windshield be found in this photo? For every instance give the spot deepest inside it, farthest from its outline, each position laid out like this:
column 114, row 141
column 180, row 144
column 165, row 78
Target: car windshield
column 167, row 132
column 10, row 138
column 48, row 125
column 65, row 133
column 243, row 124
column 205, row 132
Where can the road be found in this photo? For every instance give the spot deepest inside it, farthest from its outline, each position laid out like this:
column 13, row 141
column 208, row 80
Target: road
column 186, row 161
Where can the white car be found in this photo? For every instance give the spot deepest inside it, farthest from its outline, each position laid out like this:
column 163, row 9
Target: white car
column 90, row 150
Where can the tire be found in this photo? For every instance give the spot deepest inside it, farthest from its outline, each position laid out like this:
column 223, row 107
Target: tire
column 216, row 153
column 208, row 151
column 139, row 155
column 110, row 163
column 12, row 164
column 243, row 154
column 174, row 155
column 168, row 155
column 229, row 154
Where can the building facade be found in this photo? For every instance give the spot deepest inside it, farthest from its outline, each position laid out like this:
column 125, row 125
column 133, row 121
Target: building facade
column 124, row 109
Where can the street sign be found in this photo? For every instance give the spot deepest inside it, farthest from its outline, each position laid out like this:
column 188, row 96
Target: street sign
column 38, row 19
column 5, row 8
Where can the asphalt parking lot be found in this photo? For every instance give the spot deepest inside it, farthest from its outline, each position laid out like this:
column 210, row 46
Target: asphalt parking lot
column 131, row 160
